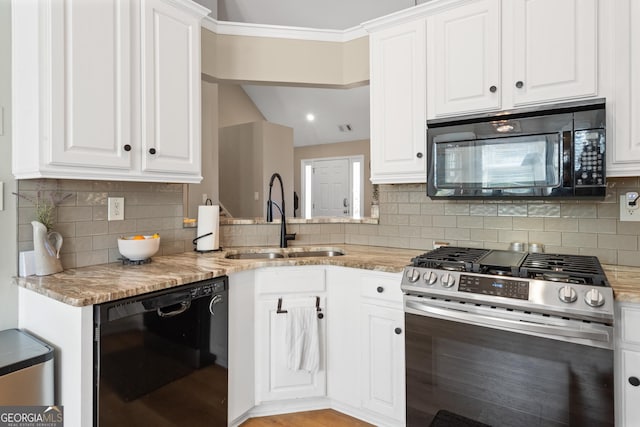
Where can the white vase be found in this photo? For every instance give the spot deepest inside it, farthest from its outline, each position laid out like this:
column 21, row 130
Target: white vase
column 46, row 247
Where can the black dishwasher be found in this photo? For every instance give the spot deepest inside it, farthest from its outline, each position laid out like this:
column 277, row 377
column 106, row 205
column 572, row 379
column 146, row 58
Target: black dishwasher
column 161, row 358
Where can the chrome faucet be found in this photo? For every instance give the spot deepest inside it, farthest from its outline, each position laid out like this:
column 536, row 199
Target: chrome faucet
column 284, row 237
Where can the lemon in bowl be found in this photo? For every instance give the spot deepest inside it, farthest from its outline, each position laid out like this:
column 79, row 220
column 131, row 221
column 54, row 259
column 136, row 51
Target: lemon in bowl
column 139, row 247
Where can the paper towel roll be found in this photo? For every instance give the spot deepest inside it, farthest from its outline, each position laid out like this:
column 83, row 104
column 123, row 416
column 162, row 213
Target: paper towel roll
column 208, row 222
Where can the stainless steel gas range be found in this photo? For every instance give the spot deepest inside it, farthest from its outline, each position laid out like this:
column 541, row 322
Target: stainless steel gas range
column 508, row 338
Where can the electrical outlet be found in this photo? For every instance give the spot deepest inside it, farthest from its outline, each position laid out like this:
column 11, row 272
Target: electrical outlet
column 1, row 196
column 204, row 198
column 256, row 196
column 629, row 206
column 115, row 211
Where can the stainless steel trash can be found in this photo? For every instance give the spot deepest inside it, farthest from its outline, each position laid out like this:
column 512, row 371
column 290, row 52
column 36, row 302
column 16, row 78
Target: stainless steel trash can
column 26, row 370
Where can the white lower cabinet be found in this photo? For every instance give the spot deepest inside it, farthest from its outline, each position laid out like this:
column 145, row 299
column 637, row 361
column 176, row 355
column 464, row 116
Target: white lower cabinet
column 382, row 352
column 628, row 365
column 293, row 287
column 366, row 345
column 361, row 343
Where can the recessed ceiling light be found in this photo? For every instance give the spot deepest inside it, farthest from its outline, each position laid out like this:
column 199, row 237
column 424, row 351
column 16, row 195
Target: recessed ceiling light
column 310, row 117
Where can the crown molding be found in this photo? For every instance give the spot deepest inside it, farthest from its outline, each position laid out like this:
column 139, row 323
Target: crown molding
column 282, row 32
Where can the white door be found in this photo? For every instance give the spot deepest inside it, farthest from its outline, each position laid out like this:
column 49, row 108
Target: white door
column 463, row 48
column 398, row 103
column 91, row 84
column 383, row 360
column 171, row 89
column 276, row 380
column 631, row 397
column 330, row 188
column 552, row 48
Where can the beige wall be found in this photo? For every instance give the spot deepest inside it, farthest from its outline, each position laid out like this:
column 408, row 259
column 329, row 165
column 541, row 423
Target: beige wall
column 285, row 61
column 252, row 152
column 8, row 221
column 277, row 157
column 235, row 106
column 194, row 193
column 340, row 149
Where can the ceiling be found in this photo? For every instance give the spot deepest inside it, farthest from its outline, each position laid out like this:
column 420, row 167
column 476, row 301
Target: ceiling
column 289, row 106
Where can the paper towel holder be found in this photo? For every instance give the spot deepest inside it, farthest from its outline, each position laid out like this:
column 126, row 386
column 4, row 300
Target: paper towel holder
column 209, row 202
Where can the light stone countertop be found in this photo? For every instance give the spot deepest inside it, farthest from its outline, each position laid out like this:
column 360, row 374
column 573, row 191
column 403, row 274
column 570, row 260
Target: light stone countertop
column 107, row 282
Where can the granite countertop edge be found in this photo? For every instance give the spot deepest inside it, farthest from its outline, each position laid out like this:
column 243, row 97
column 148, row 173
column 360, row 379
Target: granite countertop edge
column 97, row 284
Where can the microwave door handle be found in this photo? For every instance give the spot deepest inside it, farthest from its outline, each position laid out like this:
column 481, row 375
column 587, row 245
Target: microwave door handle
column 513, row 325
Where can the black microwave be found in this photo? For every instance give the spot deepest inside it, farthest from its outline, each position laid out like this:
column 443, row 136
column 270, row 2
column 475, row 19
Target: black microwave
column 551, row 151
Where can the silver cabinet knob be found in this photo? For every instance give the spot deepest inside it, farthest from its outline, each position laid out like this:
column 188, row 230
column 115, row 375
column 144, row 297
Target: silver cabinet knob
column 413, row 275
column 567, row 294
column 594, row 298
column 447, row 280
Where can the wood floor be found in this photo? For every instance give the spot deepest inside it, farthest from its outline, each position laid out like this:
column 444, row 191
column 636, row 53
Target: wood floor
column 323, row 418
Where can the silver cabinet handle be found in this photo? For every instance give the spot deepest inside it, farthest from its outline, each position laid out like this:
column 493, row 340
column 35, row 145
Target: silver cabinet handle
column 513, row 325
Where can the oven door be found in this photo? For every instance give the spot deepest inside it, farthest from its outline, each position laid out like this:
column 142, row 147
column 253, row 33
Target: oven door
column 501, row 377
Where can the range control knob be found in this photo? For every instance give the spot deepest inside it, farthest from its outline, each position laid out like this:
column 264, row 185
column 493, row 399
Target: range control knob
column 594, row 298
column 447, row 280
column 430, row 278
column 412, row 275
column 567, row 294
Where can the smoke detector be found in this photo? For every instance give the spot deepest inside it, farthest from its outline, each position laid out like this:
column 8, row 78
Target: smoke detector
column 345, row 128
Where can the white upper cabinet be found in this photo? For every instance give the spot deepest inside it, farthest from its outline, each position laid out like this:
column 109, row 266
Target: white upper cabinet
column 79, row 71
column 489, row 55
column 550, row 49
column 464, row 58
column 170, row 88
column 398, row 103
column 622, row 114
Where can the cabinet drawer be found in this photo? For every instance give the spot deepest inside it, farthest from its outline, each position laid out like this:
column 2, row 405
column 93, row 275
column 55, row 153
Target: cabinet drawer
column 381, row 287
column 290, row 280
column 630, row 319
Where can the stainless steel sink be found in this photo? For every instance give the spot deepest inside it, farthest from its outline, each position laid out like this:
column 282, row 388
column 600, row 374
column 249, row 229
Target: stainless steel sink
column 257, row 255
column 314, row 254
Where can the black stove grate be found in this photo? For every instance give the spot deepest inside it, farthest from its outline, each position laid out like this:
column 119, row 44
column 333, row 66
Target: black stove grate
column 127, row 261
column 588, row 268
column 450, row 258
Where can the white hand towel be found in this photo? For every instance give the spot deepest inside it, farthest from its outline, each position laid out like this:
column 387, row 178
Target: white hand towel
column 303, row 347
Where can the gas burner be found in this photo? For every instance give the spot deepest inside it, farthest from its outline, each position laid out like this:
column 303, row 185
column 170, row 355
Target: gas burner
column 561, row 277
column 579, row 269
column 127, row 261
column 449, row 258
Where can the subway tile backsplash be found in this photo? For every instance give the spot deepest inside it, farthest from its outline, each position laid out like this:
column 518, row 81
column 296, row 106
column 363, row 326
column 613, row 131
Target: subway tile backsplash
column 572, row 227
column 408, row 219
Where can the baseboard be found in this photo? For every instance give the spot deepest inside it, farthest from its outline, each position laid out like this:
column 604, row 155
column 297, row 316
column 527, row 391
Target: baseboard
column 279, row 407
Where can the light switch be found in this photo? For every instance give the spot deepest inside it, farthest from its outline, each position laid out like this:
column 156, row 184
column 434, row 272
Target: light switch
column 1, row 196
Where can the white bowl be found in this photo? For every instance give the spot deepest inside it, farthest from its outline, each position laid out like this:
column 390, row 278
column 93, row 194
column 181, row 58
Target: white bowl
column 137, row 250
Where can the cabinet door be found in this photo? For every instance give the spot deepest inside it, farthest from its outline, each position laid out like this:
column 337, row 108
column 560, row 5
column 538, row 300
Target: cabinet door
column 463, row 53
column 90, row 92
column 383, row 381
column 552, row 49
column 170, row 88
column 398, row 103
column 624, row 151
column 275, row 380
column 631, row 393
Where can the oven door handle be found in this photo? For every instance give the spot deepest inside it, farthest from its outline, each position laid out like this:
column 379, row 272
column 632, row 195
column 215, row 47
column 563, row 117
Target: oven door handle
column 513, row 325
